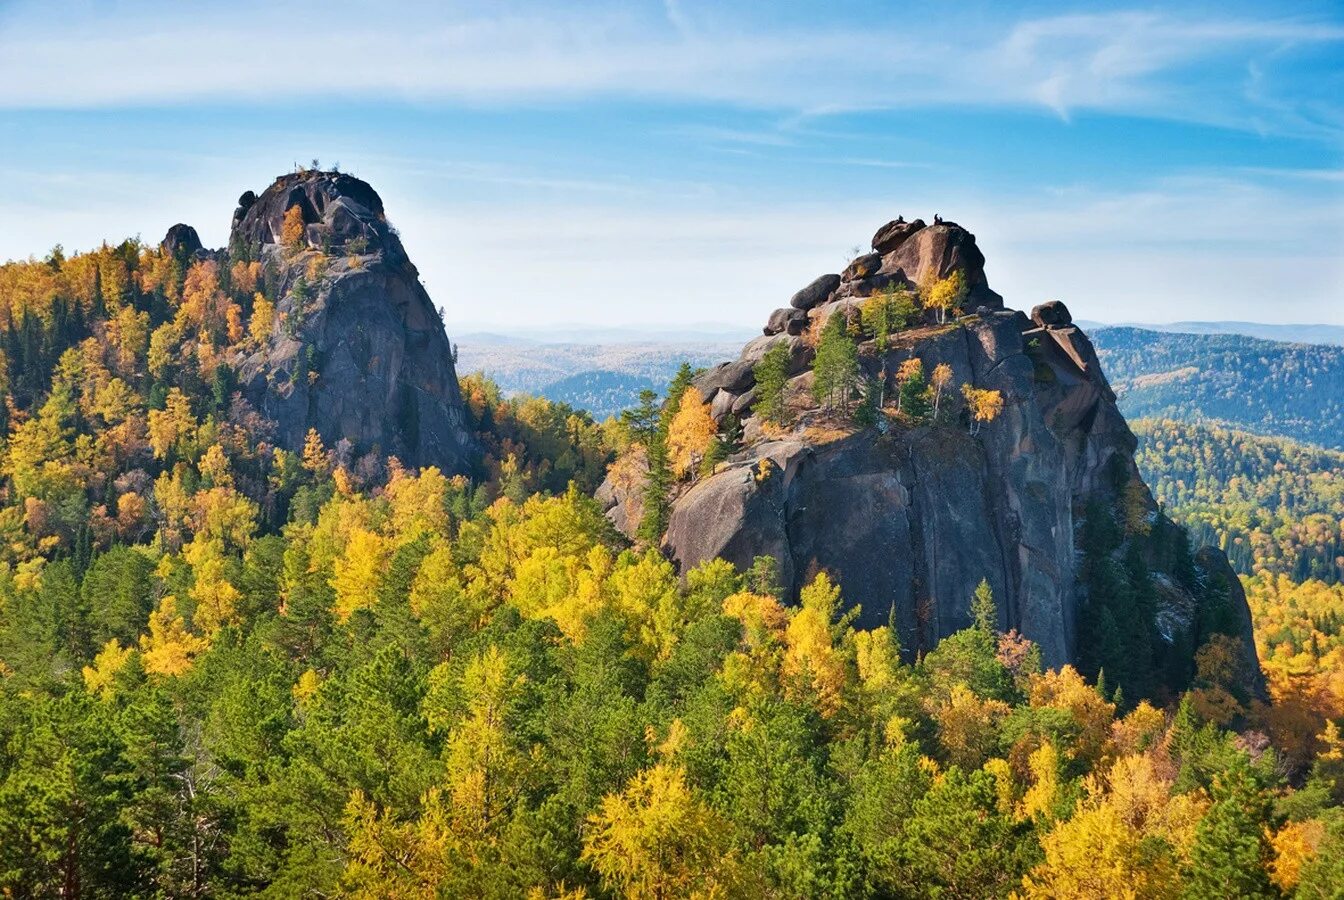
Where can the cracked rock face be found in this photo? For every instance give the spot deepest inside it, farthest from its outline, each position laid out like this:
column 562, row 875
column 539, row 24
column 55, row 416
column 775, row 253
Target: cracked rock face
column 909, row 519
column 358, row 350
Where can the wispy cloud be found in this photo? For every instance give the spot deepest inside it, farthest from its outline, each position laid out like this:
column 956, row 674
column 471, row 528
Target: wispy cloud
column 1167, row 64
column 1211, row 244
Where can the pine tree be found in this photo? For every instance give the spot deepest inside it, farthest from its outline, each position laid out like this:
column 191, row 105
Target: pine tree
column 983, row 610
column 915, row 395
column 836, row 369
column 654, row 521
column 772, row 375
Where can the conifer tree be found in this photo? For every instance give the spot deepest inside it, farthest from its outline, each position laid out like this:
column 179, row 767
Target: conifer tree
column 836, row 369
column 772, row 375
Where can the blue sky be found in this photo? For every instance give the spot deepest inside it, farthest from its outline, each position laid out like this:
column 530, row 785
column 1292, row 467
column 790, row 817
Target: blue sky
column 684, row 162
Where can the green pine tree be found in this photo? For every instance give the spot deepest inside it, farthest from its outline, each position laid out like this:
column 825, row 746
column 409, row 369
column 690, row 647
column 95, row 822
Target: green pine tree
column 836, row 369
column 772, row 374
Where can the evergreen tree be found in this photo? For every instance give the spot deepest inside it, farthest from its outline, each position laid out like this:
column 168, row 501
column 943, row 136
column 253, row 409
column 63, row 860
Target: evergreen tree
column 1231, row 852
column 836, row 368
column 915, row 396
column 772, row 375
column 656, row 508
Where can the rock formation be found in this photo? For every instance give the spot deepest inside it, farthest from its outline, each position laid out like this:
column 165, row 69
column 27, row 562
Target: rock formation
column 909, row 516
column 358, row 350
column 181, row 241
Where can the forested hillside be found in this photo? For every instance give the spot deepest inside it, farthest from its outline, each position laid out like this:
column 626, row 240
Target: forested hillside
column 228, row 668
column 1272, row 504
column 601, row 393
column 1289, row 390
column 1276, row 507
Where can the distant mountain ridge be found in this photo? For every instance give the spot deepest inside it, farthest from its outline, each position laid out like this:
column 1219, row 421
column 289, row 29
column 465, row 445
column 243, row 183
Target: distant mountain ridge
column 527, row 367
column 1296, row 333
column 1263, row 387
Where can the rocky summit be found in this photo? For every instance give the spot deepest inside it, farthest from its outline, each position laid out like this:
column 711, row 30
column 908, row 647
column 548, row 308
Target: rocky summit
column 358, row 351
column 909, row 514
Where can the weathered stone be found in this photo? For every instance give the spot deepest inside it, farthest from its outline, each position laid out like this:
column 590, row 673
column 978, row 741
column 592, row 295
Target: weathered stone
column 910, row 519
column 374, row 364
column 936, row 252
column 893, row 234
column 181, row 241
column 862, row 267
column 742, row 405
column 786, row 321
column 873, row 284
column 722, row 405
column 816, row 292
column 800, row 355
column 1051, row 314
column 734, row 377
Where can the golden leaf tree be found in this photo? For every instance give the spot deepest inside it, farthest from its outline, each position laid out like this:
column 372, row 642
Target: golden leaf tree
column 983, row 405
column 169, row 648
column 691, row 432
column 945, row 294
column 292, row 229
column 657, row 839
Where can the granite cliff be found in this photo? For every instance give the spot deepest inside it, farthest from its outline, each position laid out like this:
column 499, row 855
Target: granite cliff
column 1044, row 502
column 358, row 351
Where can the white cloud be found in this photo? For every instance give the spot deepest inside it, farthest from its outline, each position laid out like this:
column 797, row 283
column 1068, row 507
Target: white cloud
column 157, row 53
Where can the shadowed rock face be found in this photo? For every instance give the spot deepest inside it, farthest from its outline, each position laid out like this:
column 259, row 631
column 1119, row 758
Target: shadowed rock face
column 359, row 351
column 181, row 241
column 910, row 519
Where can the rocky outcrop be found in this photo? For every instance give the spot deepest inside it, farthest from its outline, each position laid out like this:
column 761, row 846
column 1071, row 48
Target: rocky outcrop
column 815, row 293
column 909, row 516
column 358, row 350
column 891, row 235
column 786, row 321
column 181, row 241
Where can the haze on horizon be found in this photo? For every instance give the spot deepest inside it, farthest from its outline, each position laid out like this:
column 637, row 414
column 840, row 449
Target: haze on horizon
column 628, row 166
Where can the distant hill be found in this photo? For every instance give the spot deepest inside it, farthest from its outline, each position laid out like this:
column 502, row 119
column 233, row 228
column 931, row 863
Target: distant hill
column 602, row 393
column 1271, row 504
column 609, row 375
column 1263, row 387
column 1292, row 333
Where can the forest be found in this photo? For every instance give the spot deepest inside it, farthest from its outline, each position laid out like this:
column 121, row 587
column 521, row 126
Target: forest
column 1272, row 504
column 229, row 669
column 1263, row 387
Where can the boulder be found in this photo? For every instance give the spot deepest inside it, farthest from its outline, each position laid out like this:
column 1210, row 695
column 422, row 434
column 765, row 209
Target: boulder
column 733, row 377
column 742, row 405
column 893, row 234
column 938, row 250
column 1051, row 314
column 815, row 293
column 181, row 241
column 873, row 284
column 722, row 405
column 862, row 267
column 800, row 355
column 786, row 320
